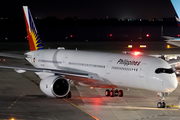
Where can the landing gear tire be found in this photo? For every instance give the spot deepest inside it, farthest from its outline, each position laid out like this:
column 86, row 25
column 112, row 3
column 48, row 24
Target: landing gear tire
column 116, row 92
column 159, row 105
column 107, row 92
column 163, row 105
column 112, row 93
column 120, row 93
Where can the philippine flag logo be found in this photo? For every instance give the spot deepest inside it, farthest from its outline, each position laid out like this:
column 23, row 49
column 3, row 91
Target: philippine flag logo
column 34, row 60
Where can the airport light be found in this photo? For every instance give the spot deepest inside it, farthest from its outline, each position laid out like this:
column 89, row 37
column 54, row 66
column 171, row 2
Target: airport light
column 147, row 35
column 142, row 46
column 110, row 35
column 71, row 36
column 130, row 46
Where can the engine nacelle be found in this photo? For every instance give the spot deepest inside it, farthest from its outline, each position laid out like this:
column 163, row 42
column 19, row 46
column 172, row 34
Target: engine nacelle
column 55, row 86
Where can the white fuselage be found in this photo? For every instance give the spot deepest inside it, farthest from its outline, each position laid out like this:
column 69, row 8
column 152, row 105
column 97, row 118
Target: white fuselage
column 120, row 70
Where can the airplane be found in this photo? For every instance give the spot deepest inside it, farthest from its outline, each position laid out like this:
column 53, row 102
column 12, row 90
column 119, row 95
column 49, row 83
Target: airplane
column 56, row 67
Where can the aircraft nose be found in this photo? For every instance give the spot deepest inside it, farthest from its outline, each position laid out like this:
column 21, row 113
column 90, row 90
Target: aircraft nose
column 172, row 83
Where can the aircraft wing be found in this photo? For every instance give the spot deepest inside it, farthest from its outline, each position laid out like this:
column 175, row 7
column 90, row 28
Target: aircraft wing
column 59, row 72
column 84, row 77
column 13, row 55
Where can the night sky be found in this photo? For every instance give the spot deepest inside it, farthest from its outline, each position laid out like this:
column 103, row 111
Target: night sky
column 89, row 9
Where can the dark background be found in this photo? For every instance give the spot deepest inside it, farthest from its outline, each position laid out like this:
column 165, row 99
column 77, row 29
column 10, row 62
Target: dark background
column 69, row 21
column 90, row 9
column 103, row 30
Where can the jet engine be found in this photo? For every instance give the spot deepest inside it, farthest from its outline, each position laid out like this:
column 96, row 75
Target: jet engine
column 55, row 86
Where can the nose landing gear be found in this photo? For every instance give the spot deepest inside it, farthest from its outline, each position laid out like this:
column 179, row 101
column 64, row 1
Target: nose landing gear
column 161, row 103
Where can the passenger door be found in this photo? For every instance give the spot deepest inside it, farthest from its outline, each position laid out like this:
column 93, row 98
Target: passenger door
column 108, row 69
column 142, row 69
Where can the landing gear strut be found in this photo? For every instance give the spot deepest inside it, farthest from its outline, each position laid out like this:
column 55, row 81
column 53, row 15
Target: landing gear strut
column 161, row 103
column 69, row 95
column 114, row 92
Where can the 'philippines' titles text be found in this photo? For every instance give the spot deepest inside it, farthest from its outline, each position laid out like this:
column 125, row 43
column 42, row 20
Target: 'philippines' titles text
column 128, row 62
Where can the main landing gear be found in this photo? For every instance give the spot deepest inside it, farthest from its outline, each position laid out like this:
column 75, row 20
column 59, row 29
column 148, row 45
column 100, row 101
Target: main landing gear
column 161, row 103
column 114, row 92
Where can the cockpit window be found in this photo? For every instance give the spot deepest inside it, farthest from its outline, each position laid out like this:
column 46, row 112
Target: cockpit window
column 164, row 70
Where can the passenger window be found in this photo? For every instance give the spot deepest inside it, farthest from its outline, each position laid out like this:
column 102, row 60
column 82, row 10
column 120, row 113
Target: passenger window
column 164, row 70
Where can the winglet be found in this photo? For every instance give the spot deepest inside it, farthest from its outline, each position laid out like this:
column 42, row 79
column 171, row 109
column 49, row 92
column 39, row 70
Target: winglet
column 35, row 43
